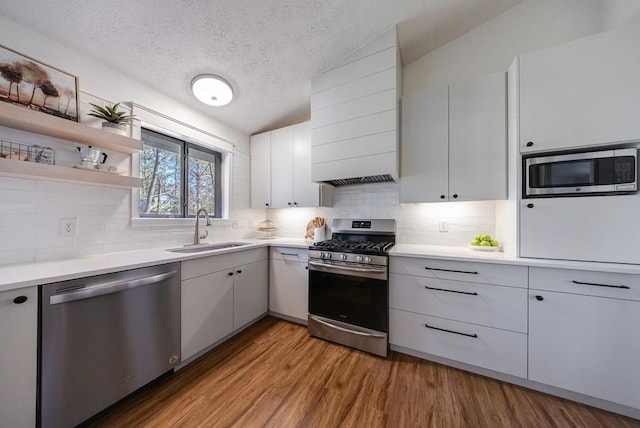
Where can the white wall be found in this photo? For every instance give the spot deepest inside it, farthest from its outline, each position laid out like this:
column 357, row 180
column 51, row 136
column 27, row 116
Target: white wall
column 30, row 209
column 618, row 13
column 108, row 83
column 528, row 26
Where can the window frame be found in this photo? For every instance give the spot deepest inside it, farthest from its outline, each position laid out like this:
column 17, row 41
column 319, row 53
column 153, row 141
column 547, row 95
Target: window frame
column 185, row 146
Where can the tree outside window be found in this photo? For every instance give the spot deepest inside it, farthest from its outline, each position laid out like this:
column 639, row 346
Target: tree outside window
column 178, row 177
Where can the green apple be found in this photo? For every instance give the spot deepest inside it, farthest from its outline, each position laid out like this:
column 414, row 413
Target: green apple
column 485, row 243
column 494, row 243
column 485, row 238
column 475, row 242
column 478, row 237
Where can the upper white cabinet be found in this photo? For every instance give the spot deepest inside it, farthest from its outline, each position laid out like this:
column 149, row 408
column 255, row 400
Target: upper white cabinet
column 354, row 115
column 18, row 353
column 280, row 170
column 582, row 93
column 261, row 170
column 425, row 147
column 454, row 144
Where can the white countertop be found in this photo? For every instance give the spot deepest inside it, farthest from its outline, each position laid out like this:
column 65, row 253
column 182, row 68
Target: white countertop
column 26, row 275
column 467, row 254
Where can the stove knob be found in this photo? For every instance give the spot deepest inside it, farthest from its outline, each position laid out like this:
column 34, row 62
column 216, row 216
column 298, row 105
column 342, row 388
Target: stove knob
column 328, row 255
column 343, row 256
column 359, row 259
column 323, row 255
column 367, row 259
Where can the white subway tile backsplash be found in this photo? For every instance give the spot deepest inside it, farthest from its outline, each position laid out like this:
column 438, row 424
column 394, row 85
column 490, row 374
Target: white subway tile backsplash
column 31, row 209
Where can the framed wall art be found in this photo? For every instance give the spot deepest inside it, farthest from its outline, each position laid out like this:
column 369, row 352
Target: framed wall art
column 29, row 83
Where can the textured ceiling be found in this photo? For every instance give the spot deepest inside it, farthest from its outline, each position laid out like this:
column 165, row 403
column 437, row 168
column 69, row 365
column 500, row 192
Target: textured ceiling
column 267, row 49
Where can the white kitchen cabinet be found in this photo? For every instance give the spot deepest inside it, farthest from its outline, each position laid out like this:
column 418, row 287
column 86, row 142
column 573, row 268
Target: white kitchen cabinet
column 210, row 308
column 458, row 310
column 287, row 163
column 585, row 343
column 425, row 147
column 261, row 170
column 586, row 228
column 478, row 138
column 581, row 93
column 289, row 283
column 18, row 357
column 490, row 348
column 454, row 145
column 207, row 311
column 250, row 292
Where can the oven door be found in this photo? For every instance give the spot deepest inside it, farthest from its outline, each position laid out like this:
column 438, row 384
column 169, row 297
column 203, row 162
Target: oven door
column 356, row 295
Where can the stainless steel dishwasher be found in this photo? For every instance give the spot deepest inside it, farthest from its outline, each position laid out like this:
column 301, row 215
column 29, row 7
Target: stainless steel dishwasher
column 103, row 337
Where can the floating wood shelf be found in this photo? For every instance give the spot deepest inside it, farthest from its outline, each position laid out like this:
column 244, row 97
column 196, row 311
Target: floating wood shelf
column 23, row 118
column 15, row 168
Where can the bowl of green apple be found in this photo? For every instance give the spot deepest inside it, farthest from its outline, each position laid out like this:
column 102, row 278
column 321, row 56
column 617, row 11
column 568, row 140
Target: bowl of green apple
column 484, row 242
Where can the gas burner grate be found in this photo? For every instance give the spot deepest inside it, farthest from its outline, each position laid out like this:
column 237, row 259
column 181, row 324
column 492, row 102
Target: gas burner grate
column 354, row 246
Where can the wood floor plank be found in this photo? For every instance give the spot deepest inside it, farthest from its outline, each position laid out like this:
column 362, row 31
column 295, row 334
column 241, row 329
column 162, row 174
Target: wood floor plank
column 274, row 375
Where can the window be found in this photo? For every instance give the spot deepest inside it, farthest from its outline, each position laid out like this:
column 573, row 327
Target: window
column 178, row 177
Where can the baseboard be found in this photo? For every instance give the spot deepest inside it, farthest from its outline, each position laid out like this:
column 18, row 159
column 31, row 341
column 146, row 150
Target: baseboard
column 526, row 383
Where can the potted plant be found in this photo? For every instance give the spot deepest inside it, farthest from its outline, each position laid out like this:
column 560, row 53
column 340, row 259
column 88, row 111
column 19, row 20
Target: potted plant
column 114, row 119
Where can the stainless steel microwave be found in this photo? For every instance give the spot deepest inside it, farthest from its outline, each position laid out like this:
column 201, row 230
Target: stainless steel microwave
column 586, row 173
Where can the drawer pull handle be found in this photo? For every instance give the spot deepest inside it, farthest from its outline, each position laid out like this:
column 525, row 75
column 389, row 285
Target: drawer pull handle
column 624, row 287
column 475, row 336
column 451, row 291
column 20, row 300
column 451, row 270
column 291, row 254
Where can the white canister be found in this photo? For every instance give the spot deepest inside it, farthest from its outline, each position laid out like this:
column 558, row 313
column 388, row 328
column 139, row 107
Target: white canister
column 318, row 234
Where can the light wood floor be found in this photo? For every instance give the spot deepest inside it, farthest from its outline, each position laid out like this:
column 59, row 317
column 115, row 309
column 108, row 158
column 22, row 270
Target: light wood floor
column 274, row 375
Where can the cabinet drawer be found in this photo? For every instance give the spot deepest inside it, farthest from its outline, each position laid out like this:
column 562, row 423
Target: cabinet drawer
column 290, row 254
column 493, row 349
column 484, row 304
column 207, row 265
column 488, row 273
column 590, row 283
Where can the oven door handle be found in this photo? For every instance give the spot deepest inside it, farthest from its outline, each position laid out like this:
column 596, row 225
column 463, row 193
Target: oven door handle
column 348, row 268
column 346, row 330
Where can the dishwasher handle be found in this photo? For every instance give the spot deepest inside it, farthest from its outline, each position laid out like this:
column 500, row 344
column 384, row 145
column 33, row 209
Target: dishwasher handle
column 109, row 288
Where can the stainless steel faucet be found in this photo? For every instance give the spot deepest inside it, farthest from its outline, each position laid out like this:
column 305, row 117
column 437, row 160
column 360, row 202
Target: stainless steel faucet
column 196, row 235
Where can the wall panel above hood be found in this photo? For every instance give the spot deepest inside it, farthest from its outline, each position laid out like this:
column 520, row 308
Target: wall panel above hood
column 354, row 116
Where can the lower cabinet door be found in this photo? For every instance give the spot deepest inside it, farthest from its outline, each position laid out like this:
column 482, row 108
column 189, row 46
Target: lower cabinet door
column 18, row 357
column 490, row 348
column 289, row 289
column 250, row 292
column 585, row 344
column 207, row 311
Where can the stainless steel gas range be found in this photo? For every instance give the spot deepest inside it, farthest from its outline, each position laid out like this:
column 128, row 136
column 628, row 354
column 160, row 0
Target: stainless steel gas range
column 349, row 285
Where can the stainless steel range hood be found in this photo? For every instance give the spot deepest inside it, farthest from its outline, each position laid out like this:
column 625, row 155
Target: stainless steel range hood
column 361, row 180
column 355, row 117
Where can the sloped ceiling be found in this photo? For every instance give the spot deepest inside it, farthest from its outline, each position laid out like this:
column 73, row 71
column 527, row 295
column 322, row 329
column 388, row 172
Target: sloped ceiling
column 268, row 49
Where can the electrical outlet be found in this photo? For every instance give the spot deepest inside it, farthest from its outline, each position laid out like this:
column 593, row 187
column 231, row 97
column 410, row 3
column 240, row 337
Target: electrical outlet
column 68, row 227
column 443, row 226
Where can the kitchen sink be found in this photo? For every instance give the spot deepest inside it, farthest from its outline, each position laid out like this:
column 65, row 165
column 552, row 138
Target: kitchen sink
column 190, row 248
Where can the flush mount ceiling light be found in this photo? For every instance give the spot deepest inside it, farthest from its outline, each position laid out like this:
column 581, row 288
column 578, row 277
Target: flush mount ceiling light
column 212, row 90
